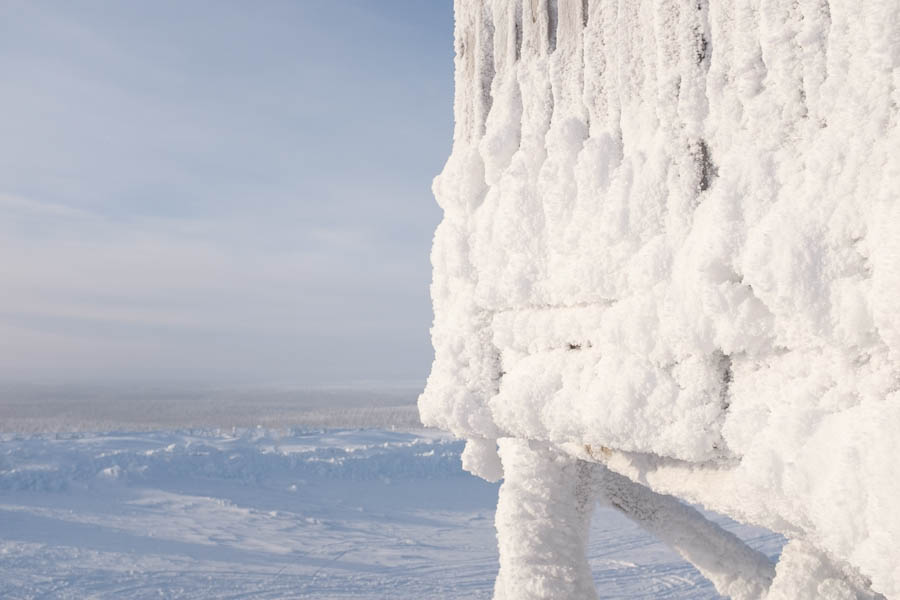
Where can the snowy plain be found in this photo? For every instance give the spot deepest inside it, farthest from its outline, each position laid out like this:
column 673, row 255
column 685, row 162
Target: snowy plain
column 321, row 511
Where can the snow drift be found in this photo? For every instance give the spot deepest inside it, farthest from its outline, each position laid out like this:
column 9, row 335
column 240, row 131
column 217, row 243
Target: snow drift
column 671, row 251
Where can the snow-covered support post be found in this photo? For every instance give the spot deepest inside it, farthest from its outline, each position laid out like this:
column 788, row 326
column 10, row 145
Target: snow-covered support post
column 543, row 517
column 735, row 569
column 806, row 572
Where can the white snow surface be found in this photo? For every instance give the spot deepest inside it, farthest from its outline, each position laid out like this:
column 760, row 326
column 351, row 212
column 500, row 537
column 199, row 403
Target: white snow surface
column 260, row 513
column 672, row 232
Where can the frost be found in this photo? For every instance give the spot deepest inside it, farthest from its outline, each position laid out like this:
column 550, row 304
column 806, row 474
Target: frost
column 670, row 237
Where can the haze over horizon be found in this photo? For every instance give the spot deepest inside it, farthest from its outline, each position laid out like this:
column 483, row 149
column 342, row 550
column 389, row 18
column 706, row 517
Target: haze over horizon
column 197, row 193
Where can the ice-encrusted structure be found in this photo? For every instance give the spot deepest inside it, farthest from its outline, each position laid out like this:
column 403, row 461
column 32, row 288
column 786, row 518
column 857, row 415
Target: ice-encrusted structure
column 669, row 266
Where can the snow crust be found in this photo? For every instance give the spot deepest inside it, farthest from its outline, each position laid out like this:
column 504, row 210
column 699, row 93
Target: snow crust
column 672, row 231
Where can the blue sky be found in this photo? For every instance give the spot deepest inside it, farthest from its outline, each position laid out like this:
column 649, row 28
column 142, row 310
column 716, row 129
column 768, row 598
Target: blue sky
column 220, row 192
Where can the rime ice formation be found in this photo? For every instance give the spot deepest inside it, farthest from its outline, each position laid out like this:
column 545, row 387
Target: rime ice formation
column 670, row 258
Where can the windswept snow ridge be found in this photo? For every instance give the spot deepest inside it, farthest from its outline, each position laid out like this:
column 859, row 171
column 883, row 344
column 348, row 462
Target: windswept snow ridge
column 46, row 463
column 671, row 244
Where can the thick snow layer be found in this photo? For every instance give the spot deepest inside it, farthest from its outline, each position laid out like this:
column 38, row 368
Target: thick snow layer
column 338, row 514
column 672, row 231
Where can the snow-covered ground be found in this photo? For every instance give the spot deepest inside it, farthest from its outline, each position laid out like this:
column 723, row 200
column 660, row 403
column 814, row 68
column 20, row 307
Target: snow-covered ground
column 263, row 513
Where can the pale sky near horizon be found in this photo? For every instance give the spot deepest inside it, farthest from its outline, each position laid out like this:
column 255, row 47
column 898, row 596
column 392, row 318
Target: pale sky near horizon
column 220, row 191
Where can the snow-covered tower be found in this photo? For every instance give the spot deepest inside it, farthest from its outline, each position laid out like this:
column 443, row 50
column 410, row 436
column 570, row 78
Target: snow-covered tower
column 669, row 267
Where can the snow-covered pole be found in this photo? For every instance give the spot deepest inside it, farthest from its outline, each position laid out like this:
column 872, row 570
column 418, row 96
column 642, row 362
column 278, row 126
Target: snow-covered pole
column 543, row 516
column 736, row 570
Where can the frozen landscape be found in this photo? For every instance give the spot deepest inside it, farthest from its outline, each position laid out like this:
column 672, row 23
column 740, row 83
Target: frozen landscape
column 267, row 513
column 665, row 290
